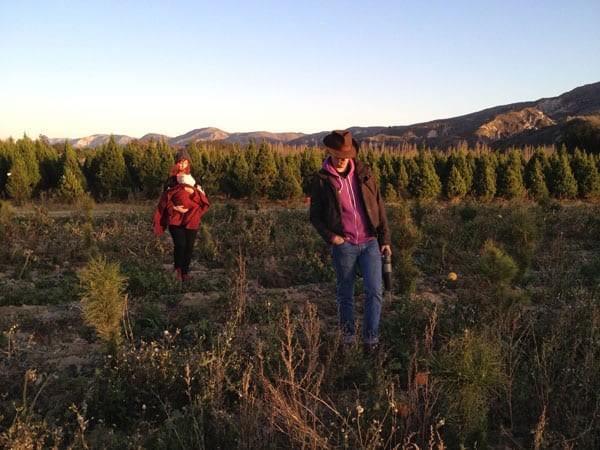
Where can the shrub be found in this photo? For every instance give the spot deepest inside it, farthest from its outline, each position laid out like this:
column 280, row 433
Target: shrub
column 499, row 268
column 103, row 299
column 469, row 375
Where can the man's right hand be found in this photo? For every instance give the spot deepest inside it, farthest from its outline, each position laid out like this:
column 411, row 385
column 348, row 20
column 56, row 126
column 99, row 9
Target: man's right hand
column 338, row 240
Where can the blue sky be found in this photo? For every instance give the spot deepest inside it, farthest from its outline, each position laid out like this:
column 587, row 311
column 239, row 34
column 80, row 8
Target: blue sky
column 76, row 68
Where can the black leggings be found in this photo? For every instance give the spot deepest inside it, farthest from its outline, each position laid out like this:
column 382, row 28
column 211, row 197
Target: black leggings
column 183, row 240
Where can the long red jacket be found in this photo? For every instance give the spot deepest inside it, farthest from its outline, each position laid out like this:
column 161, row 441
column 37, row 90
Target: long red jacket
column 165, row 214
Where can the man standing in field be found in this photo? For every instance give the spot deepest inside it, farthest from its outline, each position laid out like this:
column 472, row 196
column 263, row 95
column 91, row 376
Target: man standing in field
column 347, row 210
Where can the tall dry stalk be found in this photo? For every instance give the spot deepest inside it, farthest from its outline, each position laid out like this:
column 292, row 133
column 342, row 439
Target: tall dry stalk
column 422, row 395
column 539, row 430
column 293, row 399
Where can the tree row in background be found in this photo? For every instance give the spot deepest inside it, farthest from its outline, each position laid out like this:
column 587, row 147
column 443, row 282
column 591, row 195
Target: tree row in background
column 35, row 169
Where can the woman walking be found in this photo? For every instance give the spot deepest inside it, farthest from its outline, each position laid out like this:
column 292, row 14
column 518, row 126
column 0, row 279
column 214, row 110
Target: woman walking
column 179, row 209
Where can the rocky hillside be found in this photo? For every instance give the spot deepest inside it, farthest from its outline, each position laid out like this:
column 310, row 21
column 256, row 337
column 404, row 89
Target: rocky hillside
column 571, row 119
column 549, row 121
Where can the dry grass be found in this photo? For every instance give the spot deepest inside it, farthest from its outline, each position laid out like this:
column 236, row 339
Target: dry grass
column 230, row 360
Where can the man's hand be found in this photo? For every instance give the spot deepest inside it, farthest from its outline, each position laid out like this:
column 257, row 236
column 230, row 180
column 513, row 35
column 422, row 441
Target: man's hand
column 338, row 240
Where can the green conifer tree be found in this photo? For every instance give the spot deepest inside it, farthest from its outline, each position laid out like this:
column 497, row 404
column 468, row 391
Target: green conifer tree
column 586, row 174
column 133, row 153
column 25, row 151
column 311, row 160
column 264, row 171
column 484, row 177
column 372, row 160
column 72, row 184
column 459, row 160
column 7, row 149
column 402, row 179
column 69, row 187
column 456, row 187
column 425, row 183
column 510, row 171
column 48, row 163
column 196, row 159
column 236, row 180
column 110, row 171
column 535, row 180
column 152, row 173
column 287, row 183
column 166, row 157
column 561, row 181
column 19, row 186
column 387, row 173
column 535, row 175
column 214, row 163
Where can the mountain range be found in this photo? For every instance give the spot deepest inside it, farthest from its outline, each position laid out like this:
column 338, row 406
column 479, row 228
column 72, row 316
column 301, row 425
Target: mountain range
column 547, row 121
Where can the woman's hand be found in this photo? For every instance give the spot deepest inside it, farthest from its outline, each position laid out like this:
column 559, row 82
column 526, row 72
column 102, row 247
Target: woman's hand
column 386, row 249
column 181, row 209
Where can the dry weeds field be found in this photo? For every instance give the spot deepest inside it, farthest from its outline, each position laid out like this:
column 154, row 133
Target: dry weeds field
column 247, row 355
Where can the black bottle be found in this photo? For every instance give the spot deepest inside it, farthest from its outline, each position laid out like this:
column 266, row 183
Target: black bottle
column 386, row 270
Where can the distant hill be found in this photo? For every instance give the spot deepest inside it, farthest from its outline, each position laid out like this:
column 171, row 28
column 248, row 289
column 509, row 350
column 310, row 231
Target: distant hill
column 547, row 121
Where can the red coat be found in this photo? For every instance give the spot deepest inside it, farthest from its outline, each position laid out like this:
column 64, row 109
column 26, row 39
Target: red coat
column 165, row 214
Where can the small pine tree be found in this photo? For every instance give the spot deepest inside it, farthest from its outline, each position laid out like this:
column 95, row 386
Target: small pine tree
column 72, row 183
column 154, row 167
column 103, row 299
column 586, row 174
column 535, row 179
column 498, row 267
column 69, row 186
column 402, row 178
column 110, row 171
column 287, row 183
column 236, row 180
column 386, row 170
column 561, row 181
column 484, row 177
column 425, row 183
column 311, row 160
column 459, row 160
column 389, row 193
column 456, row 187
column 19, row 186
column 264, row 171
column 49, row 164
column 27, row 153
column 509, row 181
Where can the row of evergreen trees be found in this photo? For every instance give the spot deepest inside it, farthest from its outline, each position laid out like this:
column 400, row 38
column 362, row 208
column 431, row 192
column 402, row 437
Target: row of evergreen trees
column 36, row 169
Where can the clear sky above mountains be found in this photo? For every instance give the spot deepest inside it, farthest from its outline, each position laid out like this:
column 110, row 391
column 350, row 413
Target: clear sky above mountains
column 76, row 68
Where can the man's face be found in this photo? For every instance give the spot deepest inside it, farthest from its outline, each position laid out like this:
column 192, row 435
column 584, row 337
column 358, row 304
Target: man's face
column 340, row 164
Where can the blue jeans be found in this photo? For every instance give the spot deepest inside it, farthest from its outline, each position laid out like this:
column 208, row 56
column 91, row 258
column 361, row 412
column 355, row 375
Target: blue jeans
column 345, row 259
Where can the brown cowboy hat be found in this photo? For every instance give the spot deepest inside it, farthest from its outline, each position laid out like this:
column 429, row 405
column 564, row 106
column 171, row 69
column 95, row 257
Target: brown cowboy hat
column 340, row 143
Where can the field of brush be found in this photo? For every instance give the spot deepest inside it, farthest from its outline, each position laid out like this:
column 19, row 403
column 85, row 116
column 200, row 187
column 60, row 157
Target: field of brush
column 101, row 347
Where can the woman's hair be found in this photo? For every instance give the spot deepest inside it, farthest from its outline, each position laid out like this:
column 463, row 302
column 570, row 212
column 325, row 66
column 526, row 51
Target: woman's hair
column 175, row 170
